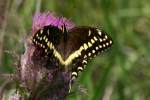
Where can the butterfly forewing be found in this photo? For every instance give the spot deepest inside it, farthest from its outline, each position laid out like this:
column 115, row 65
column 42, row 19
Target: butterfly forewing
column 47, row 37
column 89, row 42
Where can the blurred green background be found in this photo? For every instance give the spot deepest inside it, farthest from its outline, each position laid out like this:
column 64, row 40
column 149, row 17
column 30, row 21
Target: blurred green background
column 121, row 73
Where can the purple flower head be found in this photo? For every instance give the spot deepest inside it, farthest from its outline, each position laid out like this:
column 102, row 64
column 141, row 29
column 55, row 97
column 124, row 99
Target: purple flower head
column 43, row 19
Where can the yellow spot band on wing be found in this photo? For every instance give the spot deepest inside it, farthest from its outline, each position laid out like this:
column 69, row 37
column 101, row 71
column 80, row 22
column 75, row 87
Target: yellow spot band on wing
column 70, row 58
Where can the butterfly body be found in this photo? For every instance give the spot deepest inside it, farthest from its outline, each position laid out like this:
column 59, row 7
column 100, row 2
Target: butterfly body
column 72, row 47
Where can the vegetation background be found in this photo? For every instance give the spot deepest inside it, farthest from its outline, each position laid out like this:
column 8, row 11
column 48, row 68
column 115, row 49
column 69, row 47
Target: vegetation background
column 122, row 73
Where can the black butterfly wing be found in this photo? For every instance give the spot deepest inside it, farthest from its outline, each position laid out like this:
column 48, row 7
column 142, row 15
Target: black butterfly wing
column 47, row 37
column 84, row 44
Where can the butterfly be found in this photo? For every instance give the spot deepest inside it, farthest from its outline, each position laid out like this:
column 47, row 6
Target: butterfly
column 73, row 47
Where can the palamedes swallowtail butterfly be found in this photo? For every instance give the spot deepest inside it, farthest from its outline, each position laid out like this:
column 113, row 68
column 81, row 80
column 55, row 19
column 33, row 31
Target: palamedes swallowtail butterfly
column 72, row 47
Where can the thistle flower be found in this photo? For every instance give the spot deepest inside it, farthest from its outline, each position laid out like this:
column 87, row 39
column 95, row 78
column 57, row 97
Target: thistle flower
column 55, row 81
column 33, row 79
column 44, row 19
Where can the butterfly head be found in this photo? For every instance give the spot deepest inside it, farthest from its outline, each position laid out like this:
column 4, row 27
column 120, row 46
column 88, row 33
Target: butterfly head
column 65, row 32
column 64, row 29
